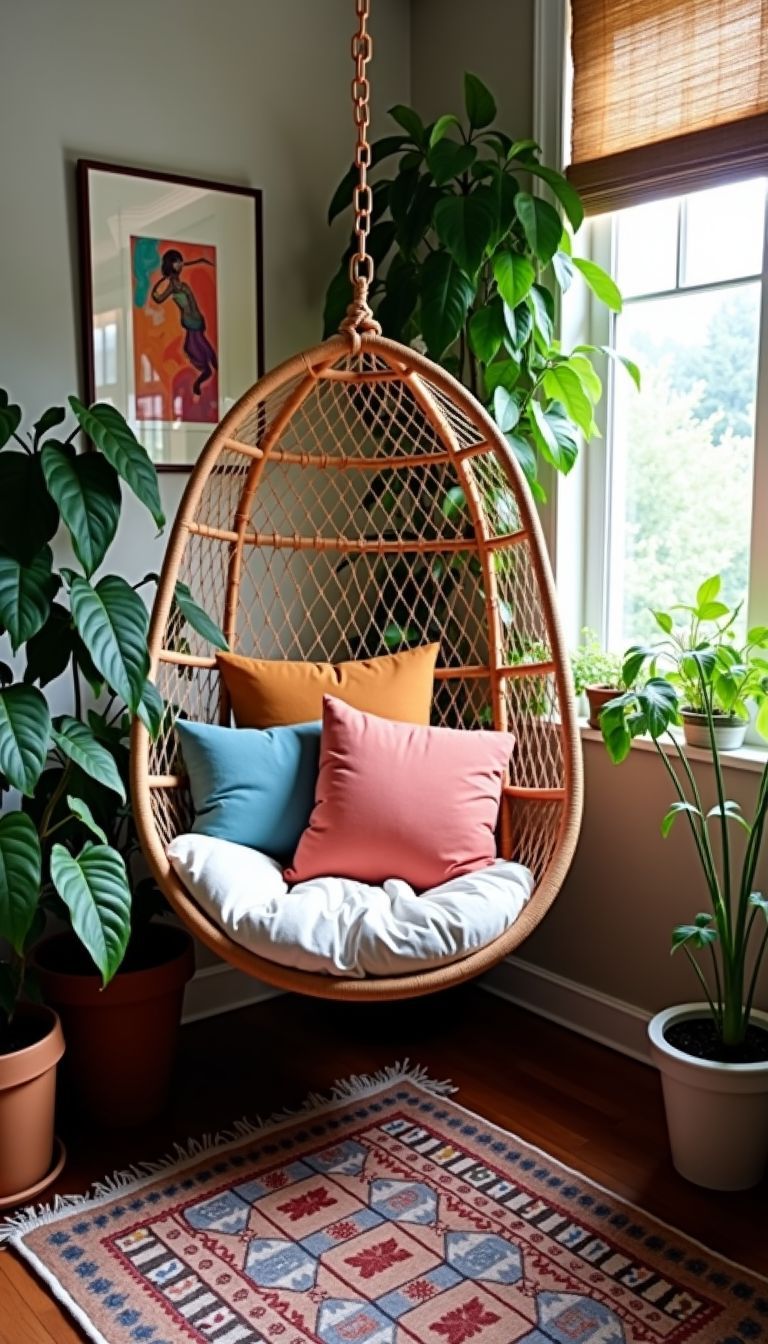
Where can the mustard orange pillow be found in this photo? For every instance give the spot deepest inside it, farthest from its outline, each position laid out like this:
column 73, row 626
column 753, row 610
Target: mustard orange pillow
column 401, row 800
column 267, row 694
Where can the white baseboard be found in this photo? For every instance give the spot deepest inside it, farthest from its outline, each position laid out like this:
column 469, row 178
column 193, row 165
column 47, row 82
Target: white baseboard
column 622, row 1026
column 219, row 988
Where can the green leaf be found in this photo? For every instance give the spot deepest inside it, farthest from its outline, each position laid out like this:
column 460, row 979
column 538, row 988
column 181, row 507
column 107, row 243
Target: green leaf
column 543, row 433
column 600, row 283
column 107, row 428
column 542, row 226
column 589, row 379
column 664, row 621
column 561, row 188
column 26, row 592
column 629, row 364
column 712, row 611
column 541, row 305
column 441, row 127
column 514, row 276
column 25, row 724
column 412, row 208
column 87, row 491
column 519, row 323
column 708, row 590
column 151, row 708
column 479, row 102
column 562, row 384
column 113, row 624
column 380, row 149
column 486, row 331
column 464, row 225
column 400, row 299
column 448, row 160
column 49, row 651
column 77, row 741
column 759, row 901
column 562, row 266
column 506, row 410
column 411, row 123
column 525, row 455
column 697, row 934
column 10, row 419
column 338, row 297
column 28, row 515
column 502, row 373
column 197, row 617
column 94, row 887
column 565, row 438
column 48, row 420
column 454, row 503
column 20, row 875
column 658, row 704
column 84, row 814
column 523, row 150
column 674, row 812
column 500, row 192
column 446, row 294
column 730, row 811
column 761, row 719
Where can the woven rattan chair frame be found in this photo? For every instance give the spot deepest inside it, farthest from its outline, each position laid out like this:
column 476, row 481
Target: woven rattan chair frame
column 319, row 514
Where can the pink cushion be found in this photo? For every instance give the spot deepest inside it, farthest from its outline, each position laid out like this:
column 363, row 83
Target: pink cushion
column 400, row 800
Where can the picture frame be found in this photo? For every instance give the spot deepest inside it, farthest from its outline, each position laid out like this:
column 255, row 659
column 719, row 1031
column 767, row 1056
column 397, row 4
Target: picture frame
column 172, row 301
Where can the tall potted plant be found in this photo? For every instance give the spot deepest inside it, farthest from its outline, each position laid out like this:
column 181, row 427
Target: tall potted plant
column 62, row 832
column 470, row 263
column 713, row 1055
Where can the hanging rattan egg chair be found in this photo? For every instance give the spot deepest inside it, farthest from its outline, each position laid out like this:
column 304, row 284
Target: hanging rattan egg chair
column 356, row 496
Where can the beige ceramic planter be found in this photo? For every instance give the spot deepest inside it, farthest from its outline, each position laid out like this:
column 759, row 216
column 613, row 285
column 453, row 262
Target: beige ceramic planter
column 717, row 1114
column 729, row 729
column 27, row 1100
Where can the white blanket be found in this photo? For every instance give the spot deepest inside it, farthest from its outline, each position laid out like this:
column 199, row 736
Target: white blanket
column 342, row 927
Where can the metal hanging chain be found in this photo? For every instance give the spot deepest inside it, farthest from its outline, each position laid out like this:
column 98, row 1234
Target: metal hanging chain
column 359, row 315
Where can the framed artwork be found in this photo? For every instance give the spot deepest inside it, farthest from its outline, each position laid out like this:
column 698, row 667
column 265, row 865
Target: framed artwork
column 172, row 308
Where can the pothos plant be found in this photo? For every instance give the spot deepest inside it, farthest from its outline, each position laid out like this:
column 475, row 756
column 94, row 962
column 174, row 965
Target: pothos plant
column 471, row 263
column 726, row 943
column 63, row 845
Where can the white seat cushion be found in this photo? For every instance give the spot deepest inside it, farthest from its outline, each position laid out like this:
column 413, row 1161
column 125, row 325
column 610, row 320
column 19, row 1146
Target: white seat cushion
column 341, row 927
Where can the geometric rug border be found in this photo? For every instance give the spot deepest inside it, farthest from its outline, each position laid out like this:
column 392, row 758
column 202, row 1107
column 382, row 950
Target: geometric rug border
column 14, row 1229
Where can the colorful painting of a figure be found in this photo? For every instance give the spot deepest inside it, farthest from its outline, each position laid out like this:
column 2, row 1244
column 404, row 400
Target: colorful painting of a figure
column 175, row 333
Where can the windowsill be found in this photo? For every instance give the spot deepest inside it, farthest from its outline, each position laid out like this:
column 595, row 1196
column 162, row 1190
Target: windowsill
column 748, row 757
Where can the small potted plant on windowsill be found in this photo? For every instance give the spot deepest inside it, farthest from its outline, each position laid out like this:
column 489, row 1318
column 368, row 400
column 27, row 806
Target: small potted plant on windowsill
column 713, row 1055
column 596, row 674
column 735, row 674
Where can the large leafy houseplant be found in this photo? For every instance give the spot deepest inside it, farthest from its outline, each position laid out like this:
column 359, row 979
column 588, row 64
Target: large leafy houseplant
column 732, row 935
column 63, row 844
column 471, row 263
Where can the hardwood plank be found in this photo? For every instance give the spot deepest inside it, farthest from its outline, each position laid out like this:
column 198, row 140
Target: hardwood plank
column 592, row 1109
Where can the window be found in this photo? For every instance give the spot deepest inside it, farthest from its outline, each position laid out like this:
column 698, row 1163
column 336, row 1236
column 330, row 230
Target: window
column 681, row 453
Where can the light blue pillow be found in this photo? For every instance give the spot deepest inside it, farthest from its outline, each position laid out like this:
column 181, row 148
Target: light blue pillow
column 255, row 786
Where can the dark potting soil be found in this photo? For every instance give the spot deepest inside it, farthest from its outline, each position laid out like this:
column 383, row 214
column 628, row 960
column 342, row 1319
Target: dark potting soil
column 21, row 1034
column 158, row 945
column 698, row 1036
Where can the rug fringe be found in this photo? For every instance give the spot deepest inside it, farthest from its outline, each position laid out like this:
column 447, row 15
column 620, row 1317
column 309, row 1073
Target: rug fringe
column 358, row 1085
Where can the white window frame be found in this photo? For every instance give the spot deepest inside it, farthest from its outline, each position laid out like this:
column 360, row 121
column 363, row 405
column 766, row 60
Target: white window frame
column 577, row 519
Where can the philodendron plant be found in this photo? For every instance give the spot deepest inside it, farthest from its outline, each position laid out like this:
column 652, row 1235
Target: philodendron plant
column 58, row 843
column 725, row 944
column 470, row 262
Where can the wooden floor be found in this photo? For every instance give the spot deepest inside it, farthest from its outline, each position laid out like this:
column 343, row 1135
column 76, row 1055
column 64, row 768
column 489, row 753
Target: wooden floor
column 595, row 1110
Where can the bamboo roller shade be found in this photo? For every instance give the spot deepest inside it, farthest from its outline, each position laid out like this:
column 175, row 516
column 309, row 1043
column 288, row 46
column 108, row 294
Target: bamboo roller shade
column 668, row 96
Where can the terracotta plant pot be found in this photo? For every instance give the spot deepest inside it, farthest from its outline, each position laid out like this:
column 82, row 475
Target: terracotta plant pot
column 597, row 696
column 730, row 730
column 717, row 1114
column 27, row 1100
column 121, row 1040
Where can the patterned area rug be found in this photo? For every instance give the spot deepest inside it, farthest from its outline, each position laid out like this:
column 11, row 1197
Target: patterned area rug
column 385, row 1215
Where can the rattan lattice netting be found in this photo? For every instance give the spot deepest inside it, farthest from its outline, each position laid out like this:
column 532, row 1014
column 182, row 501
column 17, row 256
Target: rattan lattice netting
column 352, row 502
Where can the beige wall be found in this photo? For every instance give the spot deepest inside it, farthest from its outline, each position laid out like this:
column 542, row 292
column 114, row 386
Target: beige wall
column 492, row 38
